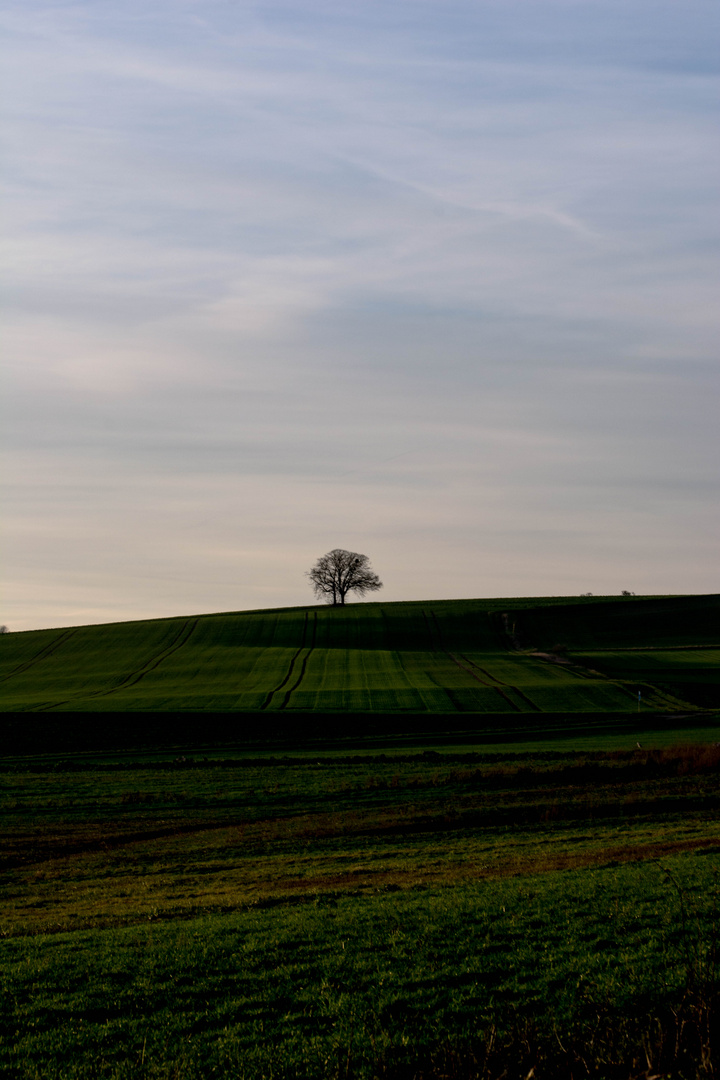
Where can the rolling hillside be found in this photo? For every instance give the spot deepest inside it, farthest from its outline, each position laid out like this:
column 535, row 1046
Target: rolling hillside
column 384, row 841
column 433, row 657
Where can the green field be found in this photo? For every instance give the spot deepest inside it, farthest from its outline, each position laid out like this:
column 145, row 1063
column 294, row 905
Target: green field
column 394, row 841
column 411, row 913
column 442, row 657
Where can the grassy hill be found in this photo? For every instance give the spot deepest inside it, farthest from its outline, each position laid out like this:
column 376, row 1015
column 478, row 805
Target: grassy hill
column 485, row 657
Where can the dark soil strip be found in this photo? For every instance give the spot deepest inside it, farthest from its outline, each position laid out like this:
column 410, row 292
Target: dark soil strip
column 306, row 657
column 290, row 892
column 312, row 826
column 601, row 858
column 46, row 651
column 269, row 697
column 109, row 842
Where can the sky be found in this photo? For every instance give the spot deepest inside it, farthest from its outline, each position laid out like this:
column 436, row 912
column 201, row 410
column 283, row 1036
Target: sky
column 431, row 280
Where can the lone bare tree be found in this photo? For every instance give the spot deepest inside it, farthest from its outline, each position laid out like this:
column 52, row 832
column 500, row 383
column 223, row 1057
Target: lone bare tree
column 339, row 572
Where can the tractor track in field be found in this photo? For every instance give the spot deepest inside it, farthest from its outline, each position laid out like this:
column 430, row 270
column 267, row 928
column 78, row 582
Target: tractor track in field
column 468, row 670
column 134, row 677
column 291, row 668
column 485, row 683
column 583, row 672
column 515, row 689
column 46, row 651
column 483, row 671
column 303, row 666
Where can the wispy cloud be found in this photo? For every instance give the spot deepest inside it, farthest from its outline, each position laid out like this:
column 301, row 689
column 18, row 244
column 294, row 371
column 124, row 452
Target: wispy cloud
column 435, row 283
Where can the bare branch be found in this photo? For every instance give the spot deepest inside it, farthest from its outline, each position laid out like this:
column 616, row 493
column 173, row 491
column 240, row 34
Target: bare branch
column 339, row 572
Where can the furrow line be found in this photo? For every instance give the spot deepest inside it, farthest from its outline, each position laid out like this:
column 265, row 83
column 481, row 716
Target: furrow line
column 133, row 677
column 470, row 672
column 269, row 697
column 514, row 689
column 489, row 686
column 483, row 670
column 48, row 650
column 524, row 696
column 303, row 668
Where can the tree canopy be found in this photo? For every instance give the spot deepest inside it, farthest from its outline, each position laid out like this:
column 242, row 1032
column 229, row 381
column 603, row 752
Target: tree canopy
column 339, row 572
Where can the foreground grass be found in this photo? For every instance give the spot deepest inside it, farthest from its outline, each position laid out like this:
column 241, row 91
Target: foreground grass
column 583, row 973
column 409, row 915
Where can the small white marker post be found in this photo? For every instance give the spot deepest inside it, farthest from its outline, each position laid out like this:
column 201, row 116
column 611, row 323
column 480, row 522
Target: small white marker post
column 639, row 699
